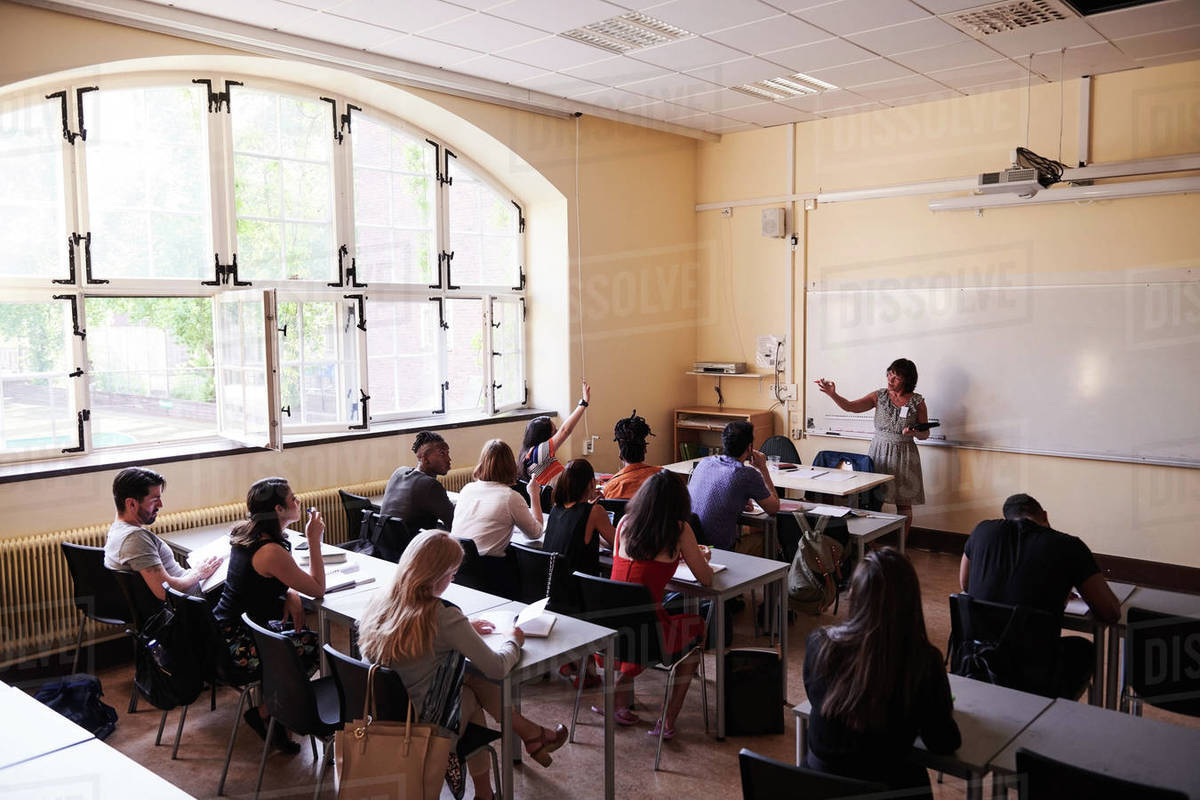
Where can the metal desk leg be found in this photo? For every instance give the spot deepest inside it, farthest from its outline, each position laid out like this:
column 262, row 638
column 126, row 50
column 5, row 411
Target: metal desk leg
column 801, row 740
column 999, row 786
column 610, row 755
column 719, row 650
column 781, row 590
column 1096, row 687
column 975, row 787
column 770, row 537
column 323, row 628
column 507, row 735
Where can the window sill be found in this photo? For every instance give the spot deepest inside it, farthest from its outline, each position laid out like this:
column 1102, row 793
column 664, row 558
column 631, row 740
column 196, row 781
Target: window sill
column 216, row 448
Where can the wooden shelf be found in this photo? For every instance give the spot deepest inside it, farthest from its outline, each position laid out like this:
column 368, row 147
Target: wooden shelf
column 703, row 424
column 729, row 374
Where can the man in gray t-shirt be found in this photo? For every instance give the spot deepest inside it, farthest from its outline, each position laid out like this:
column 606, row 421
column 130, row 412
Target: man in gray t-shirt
column 416, row 495
column 130, row 547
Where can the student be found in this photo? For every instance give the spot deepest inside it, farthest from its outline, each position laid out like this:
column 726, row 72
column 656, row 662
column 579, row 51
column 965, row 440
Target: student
column 577, row 523
column 539, row 464
column 415, row 494
column 721, row 486
column 264, row 581
column 875, row 682
column 652, row 538
column 630, row 435
column 411, row 630
column 131, row 547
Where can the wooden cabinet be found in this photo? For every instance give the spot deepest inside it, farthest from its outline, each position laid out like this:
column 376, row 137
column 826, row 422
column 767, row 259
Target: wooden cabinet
column 702, row 425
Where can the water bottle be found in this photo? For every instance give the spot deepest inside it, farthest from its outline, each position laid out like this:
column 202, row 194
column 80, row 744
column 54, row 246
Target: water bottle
column 159, row 653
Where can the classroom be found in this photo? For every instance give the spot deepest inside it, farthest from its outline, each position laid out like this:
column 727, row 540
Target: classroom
column 1059, row 343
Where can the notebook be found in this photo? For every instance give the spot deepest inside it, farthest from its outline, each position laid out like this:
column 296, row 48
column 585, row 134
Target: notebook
column 684, row 573
column 534, row 621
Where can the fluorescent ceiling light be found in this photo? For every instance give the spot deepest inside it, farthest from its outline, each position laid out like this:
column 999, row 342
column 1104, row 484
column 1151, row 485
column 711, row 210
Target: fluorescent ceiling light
column 788, row 86
column 627, row 33
column 1108, row 191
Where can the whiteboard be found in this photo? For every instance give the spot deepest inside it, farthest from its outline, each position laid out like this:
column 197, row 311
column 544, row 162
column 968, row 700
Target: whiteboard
column 1093, row 370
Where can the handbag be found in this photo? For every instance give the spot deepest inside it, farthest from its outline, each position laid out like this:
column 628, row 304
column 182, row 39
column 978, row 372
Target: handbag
column 394, row 760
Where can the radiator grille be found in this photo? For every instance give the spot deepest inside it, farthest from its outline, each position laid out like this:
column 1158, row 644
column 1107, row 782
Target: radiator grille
column 37, row 611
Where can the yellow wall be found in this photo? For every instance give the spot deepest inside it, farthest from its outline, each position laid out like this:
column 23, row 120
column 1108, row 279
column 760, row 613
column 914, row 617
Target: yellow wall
column 636, row 235
column 1119, row 508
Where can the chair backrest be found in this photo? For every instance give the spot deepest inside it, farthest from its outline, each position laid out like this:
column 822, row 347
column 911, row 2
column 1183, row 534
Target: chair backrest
column 1012, row 646
column 834, row 459
column 535, row 569
column 96, row 592
column 783, row 447
column 629, row 609
column 616, row 506
column 350, row 675
column 354, row 505
column 389, row 535
column 199, row 619
column 521, row 487
column 140, row 602
column 1162, row 660
column 287, row 692
column 470, row 571
column 767, row 779
column 1044, row 778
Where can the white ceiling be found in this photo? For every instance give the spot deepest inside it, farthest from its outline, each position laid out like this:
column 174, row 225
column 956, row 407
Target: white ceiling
column 879, row 53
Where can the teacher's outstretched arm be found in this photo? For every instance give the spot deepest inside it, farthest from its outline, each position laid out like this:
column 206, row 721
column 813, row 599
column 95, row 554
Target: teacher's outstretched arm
column 864, row 403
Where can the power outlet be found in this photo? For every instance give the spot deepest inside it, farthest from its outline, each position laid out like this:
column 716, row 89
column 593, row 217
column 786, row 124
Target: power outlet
column 589, row 445
column 786, row 391
column 797, row 433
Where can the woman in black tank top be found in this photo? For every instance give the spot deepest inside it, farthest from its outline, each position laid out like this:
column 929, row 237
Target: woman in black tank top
column 577, row 523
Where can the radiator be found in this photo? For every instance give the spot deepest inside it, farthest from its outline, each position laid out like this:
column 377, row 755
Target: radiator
column 37, row 610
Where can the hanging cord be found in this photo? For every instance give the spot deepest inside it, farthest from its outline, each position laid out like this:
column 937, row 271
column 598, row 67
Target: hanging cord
column 1062, row 54
column 1028, row 104
column 579, row 275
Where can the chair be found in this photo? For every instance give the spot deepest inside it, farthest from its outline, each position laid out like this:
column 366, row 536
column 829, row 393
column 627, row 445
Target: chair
column 381, row 536
column 858, row 462
column 521, row 487
column 308, row 708
column 1044, row 778
column 140, row 605
column 1012, row 646
column 541, row 574
column 767, row 779
column 470, row 571
column 391, row 703
column 616, row 506
column 629, row 609
column 220, row 669
column 354, row 505
column 96, row 593
column 1155, row 644
column 781, row 446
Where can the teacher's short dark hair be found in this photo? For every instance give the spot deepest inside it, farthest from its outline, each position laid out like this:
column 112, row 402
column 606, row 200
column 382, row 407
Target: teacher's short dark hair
column 1022, row 506
column 907, row 371
column 736, row 437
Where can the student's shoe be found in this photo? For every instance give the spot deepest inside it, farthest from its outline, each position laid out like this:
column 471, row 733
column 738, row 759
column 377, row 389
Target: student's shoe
column 623, row 716
column 669, row 733
column 548, row 741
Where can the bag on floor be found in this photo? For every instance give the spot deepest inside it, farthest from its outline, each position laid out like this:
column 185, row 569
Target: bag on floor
column 816, row 568
column 753, row 692
column 169, row 661
column 384, row 760
column 77, row 697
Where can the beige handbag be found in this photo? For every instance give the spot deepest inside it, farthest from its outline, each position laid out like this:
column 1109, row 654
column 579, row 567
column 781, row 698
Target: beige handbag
column 395, row 760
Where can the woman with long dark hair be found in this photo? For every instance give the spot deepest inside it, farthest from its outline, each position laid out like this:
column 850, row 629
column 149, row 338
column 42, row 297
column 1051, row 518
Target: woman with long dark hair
column 577, row 522
column 875, row 681
column 411, row 629
column 265, row 582
column 652, row 538
column 539, row 449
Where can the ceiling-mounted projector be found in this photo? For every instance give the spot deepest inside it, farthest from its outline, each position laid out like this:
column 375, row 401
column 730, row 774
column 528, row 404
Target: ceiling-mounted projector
column 1021, row 181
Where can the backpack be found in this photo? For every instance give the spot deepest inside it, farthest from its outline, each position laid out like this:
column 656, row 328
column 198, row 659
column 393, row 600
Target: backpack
column 816, row 568
column 170, row 661
column 380, row 536
column 77, row 697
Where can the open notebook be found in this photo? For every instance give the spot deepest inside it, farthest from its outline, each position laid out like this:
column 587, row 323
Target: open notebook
column 684, row 573
column 534, row 621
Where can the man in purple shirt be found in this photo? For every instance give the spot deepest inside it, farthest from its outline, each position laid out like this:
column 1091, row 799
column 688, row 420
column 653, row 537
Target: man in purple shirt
column 721, row 486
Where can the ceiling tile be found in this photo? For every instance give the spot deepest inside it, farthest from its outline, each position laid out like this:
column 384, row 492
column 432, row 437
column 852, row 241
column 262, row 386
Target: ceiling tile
column 948, row 6
column 659, row 110
column 688, row 54
column 924, row 33
column 337, row 30
column 556, row 53
column 703, row 16
column 614, row 98
column 735, row 73
column 826, row 101
column 1152, row 18
column 556, row 83
column 410, row 16
column 617, row 71
column 318, row 5
column 426, row 51
column 1161, row 44
column 267, row 14
column 772, row 33
column 706, row 122
column 671, row 87
column 1092, row 59
column 732, row 126
column 556, row 16
column 872, row 71
column 796, row 5
column 720, row 100
column 886, row 91
column 484, row 33
column 948, row 57
column 495, row 68
column 1040, row 38
column 480, row 5
column 859, row 109
column 769, row 114
column 1171, row 58
column 1015, row 83
column 819, row 55
column 979, row 74
column 944, row 94
column 852, row 16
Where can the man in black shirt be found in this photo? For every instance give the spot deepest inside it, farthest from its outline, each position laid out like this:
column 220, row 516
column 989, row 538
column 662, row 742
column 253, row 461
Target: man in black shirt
column 416, row 495
column 1021, row 560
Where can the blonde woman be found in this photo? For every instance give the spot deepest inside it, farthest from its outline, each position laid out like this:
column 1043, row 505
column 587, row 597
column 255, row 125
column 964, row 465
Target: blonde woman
column 410, row 629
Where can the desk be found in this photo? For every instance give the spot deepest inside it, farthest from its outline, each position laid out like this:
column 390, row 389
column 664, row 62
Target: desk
column 1160, row 600
column 90, row 769
column 1076, row 617
column 864, row 526
column 988, row 717
column 786, row 479
column 31, row 729
column 742, row 573
column 1119, row 745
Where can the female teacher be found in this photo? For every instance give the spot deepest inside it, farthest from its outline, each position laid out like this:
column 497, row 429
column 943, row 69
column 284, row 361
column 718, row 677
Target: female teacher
column 897, row 409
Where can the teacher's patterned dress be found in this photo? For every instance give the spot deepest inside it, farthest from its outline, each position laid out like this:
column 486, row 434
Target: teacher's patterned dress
column 894, row 453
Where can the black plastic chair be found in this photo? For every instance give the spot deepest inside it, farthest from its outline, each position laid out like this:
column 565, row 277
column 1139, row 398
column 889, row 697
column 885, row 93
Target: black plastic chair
column 140, row 605
column 1012, row 646
column 381, row 536
column 308, row 708
column 521, row 487
column 541, row 574
column 96, row 593
column 629, row 609
column 781, row 446
column 1153, row 642
column 1044, row 778
column 616, row 506
column 858, row 462
column 767, row 779
column 470, row 571
column 354, row 505
column 391, row 703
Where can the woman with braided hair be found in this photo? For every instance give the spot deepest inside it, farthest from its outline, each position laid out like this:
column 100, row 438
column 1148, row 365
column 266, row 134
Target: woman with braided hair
column 630, row 435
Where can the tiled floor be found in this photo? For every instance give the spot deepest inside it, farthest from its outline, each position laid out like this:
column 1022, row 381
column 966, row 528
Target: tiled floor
column 693, row 764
